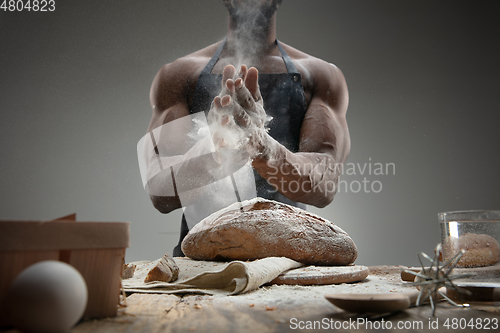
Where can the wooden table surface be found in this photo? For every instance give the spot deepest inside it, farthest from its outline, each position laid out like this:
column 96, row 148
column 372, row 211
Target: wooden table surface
column 195, row 313
column 168, row 313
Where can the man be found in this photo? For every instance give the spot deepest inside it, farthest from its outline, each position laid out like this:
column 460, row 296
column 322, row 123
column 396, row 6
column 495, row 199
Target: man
column 243, row 80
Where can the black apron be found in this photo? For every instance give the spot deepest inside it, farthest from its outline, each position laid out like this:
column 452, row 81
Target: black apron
column 284, row 100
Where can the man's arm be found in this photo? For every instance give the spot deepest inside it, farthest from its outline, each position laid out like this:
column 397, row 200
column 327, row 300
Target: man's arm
column 311, row 175
column 182, row 161
column 168, row 98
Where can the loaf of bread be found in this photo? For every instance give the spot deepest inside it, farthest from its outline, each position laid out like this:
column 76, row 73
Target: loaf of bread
column 166, row 270
column 261, row 228
column 480, row 249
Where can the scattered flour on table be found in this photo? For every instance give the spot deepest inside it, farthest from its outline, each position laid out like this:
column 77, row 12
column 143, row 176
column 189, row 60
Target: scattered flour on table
column 298, row 294
column 381, row 280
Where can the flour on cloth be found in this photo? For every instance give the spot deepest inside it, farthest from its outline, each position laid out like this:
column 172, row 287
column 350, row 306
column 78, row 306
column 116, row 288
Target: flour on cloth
column 208, row 277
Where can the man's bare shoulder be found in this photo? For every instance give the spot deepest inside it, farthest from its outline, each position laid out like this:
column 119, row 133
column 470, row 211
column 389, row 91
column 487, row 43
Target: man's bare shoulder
column 311, row 65
column 188, row 65
column 175, row 82
column 318, row 75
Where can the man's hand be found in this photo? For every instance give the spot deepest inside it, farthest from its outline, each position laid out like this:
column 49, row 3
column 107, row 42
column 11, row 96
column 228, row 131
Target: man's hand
column 241, row 96
column 240, row 106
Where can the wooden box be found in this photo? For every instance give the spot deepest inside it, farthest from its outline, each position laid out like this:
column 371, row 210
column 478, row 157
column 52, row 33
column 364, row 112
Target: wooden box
column 95, row 249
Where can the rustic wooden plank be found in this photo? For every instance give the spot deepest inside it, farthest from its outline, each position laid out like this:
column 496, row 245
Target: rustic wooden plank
column 170, row 313
column 267, row 311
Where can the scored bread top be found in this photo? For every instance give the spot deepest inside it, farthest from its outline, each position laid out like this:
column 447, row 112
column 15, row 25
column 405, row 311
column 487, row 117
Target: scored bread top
column 260, row 228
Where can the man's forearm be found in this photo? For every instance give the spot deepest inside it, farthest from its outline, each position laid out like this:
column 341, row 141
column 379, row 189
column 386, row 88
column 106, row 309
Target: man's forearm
column 310, row 178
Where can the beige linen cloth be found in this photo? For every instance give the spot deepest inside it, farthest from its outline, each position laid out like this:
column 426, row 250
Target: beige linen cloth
column 210, row 277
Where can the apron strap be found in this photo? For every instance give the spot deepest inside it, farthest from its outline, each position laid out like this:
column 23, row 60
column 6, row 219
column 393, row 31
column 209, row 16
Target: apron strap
column 208, row 68
column 290, row 66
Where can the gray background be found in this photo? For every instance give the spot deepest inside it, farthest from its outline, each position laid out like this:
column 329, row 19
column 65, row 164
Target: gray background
column 423, row 80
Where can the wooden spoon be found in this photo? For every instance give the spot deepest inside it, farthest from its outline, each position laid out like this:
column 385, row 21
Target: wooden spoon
column 373, row 303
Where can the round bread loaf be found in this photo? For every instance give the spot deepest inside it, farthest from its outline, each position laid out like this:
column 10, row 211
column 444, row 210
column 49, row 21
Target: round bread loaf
column 480, row 249
column 261, row 228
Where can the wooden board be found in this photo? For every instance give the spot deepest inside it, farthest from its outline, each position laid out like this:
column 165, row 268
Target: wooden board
column 370, row 303
column 316, row 275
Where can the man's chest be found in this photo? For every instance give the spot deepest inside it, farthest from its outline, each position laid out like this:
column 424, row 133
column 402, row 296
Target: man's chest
column 271, row 66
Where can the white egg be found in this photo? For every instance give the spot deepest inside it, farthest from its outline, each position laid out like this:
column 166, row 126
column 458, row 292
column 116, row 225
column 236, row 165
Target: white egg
column 49, row 296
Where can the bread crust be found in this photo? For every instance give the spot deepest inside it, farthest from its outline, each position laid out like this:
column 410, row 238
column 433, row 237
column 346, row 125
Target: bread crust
column 166, row 270
column 480, row 249
column 261, row 228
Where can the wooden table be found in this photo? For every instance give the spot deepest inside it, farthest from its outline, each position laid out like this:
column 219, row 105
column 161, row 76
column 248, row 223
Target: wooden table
column 303, row 309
